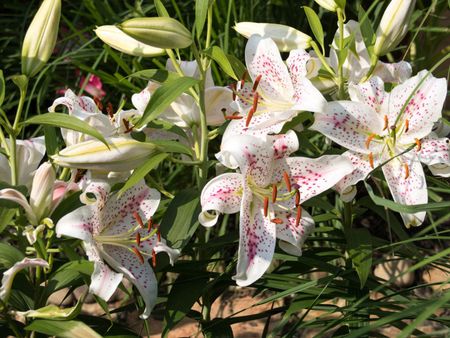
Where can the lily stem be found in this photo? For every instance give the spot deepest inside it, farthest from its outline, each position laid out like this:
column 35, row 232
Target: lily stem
column 341, row 80
column 322, row 58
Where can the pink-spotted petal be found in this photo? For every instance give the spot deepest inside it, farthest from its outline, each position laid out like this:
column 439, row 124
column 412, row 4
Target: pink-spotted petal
column 141, row 99
column 313, row 176
column 293, row 236
column 263, row 58
column 140, row 274
column 284, row 144
column 260, row 125
column 423, row 109
column 222, row 195
column 349, row 124
column 256, row 242
column 119, row 215
column 361, row 167
column 411, row 190
column 297, row 64
column 370, row 93
column 307, row 97
column 79, row 223
column 434, row 151
column 217, row 104
column 17, row 197
column 393, row 72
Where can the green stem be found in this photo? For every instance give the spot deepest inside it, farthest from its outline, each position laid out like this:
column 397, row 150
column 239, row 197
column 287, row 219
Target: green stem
column 322, row 58
column 341, row 80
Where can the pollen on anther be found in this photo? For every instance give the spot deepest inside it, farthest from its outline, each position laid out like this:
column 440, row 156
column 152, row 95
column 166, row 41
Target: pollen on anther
column 406, row 125
column 255, row 101
column 287, row 181
column 406, row 170
column 369, row 139
column 298, row 216
column 266, row 206
column 138, row 219
column 138, row 254
column 419, row 144
column 256, row 83
column 149, row 224
column 249, row 116
column 297, row 198
column 274, row 192
column 233, row 117
column 153, row 258
column 371, row 160
column 138, row 238
column 277, row 220
column 233, row 90
column 386, row 122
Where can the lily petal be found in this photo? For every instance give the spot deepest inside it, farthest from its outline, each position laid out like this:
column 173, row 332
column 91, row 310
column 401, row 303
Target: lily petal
column 284, row 144
column 393, row 72
column 263, row 58
column 293, row 236
column 217, row 101
column 79, row 223
column 172, row 253
column 223, row 195
column 140, row 274
column 409, row 191
column 434, row 151
column 370, row 93
column 423, row 109
column 349, row 124
column 256, row 243
column 17, row 197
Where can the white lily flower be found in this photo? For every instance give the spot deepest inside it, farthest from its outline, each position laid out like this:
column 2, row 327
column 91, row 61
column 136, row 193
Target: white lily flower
column 29, row 154
column 374, row 129
column 268, row 192
column 278, row 90
column 286, row 38
column 114, row 230
column 8, row 275
column 123, row 154
column 393, row 25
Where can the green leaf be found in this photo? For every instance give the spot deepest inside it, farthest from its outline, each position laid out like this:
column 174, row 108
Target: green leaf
column 164, row 96
column 181, row 218
column 9, row 255
column 61, row 120
column 56, row 313
column 159, row 75
column 140, row 172
column 172, row 147
column 160, row 9
column 51, row 140
column 238, row 66
column 366, row 27
column 217, row 328
column 68, row 275
column 2, row 88
column 359, row 247
column 201, row 12
column 217, row 54
column 184, row 293
column 63, row 329
column 316, row 26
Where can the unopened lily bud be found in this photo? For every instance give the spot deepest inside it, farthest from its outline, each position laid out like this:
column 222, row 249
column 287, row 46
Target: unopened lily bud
column 393, row 26
column 123, row 154
column 117, row 39
column 285, row 37
column 331, row 5
column 160, row 32
column 40, row 38
column 41, row 194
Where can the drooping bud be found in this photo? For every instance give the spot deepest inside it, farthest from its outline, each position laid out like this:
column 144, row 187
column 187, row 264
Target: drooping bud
column 160, row 32
column 41, row 195
column 331, row 5
column 123, row 154
column 40, row 38
column 285, row 37
column 117, row 39
column 393, row 26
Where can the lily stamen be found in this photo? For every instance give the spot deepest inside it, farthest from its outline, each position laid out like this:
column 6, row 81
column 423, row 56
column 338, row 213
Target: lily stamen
column 98, row 103
column 371, row 160
column 405, row 165
column 277, row 220
column 149, row 224
column 266, row 206
column 110, row 110
column 138, row 219
column 369, row 139
column 274, row 192
column 249, row 116
column 255, row 101
column 153, row 258
column 244, row 77
column 233, row 117
column 419, row 144
column 406, row 125
column 297, row 198
column 298, row 216
column 256, row 83
column 138, row 254
column 386, row 122
column 138, row 239
column 287, row 181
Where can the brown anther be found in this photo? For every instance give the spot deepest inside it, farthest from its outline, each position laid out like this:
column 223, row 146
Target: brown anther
column 158, row 233
column 128, row 128
column 419, row 144
column 256, row 83
column 138, row 254
column 138, row 219
column 138, row 238
column 110, row 109
column 406, row 170
column 98, row 103
column 149, row 224
column 249, row 116
column 386, row 122
column 233, row 117
column 406, row 125
column 287, row 181
column 369, row 139
column 244, row 77
column 255, row 101
column 297, row 198
column 233, row 89
column 277, row 220
column 224, row 111
column 79, row 175
column 371, row 160
column 298, row 217
column 153, row 258
column 274, row 192
column 266, row 206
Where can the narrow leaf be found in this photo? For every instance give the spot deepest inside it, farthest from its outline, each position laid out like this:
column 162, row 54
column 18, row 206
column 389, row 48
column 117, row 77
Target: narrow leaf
column 172, row 147
column 316, row 26
column 63, row 329
column 2, row 88
column 218, row 55
column 160, row 9
column 65, row 121
column 359, row 247
column 201, row 11
column 164, row 96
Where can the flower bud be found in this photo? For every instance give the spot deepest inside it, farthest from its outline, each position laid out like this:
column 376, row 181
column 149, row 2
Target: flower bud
column 286, row 38
column 123, row 154
column 40, row 38
column 327, row 4
column 393, row 25
column 158, row 32
column 117, row 39
column 41, row 194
